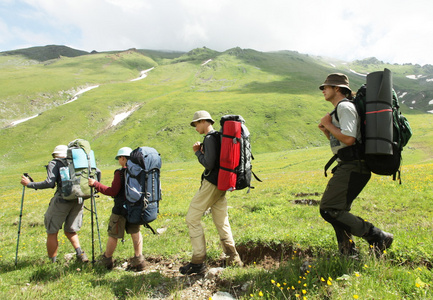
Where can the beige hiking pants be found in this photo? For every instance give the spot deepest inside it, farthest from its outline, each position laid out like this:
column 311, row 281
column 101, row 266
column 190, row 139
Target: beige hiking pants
column 209, row 196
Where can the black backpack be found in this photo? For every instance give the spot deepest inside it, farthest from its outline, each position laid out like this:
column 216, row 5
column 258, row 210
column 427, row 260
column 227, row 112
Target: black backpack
column 143, row 186
column 378, row 108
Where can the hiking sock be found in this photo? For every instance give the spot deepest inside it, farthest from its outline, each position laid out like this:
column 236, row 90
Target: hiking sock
column 78, row 251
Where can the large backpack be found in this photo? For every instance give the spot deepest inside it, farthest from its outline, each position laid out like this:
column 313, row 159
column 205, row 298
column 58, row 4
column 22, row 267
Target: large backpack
column 78, row 166
column 143, row 186
column 384, row 130
column 235, row 155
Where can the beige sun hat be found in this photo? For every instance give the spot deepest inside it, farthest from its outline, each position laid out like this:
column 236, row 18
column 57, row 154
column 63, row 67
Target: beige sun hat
column 201, row 115
column 336, row 79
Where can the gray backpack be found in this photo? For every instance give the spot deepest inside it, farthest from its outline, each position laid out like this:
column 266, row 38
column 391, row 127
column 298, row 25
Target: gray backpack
column 78, row 166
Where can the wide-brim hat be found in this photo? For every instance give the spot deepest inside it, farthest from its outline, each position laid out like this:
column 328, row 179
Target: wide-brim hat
column 336, row 79
column 201, row 115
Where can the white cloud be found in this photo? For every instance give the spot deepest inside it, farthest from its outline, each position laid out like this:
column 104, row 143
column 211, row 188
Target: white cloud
column 394, row 31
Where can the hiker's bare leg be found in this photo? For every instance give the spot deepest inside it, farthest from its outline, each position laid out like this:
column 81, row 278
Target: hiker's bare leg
column 111, row 246
column 137, row 241
column 73, row 238
column 52, row 244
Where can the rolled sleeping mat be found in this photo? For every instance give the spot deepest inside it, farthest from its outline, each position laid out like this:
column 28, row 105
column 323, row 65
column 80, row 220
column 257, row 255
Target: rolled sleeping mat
column 229, row 155
column 378, row 116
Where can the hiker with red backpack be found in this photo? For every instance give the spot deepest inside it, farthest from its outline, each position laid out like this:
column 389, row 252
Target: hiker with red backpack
column 208, row 196
column 60, row 212
column 350, row 175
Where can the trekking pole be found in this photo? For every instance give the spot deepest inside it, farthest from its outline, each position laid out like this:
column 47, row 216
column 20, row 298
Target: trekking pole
column 21, row 216
column 91, row 220
column 92, row 198
column 97, row 224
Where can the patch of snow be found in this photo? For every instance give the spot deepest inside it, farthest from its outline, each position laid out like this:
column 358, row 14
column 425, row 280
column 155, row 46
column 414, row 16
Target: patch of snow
column 332, row 65
column 206, row 62
column 428, row 80
column 415, row 77
column 430, row 102
column 430, row 111
column 360, row 74
column 404, row 94
column 411, row 107
column 23, row 120
column 143, row 74
column 122, row 116
column 413, row 102
column 75, row 97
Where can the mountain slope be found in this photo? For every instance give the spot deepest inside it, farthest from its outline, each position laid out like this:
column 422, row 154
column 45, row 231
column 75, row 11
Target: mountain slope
column 277, row 94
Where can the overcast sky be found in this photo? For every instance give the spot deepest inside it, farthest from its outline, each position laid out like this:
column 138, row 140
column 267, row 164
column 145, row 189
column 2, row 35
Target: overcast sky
column 395, row 31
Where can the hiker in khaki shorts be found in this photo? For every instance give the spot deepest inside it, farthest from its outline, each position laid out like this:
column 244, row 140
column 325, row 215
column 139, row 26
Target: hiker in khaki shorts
column 60, row 212
column 208, row 196
column 118, row 224
column 350, row 175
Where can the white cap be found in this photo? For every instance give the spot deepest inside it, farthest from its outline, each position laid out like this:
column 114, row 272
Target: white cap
column 124, row 151
column 60, row 151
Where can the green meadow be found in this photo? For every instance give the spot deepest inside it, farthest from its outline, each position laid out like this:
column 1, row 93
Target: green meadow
column 289, row 251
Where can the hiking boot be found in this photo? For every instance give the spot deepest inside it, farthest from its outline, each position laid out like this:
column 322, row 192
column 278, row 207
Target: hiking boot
column 107, row 262
column 136, row 263
column 234, row 260
column 379, row 240
column 347, row 248
column 193, row 268
column 82, row 257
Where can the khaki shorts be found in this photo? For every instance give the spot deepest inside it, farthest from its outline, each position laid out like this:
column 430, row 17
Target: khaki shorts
column 60, row 211
column 117, row 226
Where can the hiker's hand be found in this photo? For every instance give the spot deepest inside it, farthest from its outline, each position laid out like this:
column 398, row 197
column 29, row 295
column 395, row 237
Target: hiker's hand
column 24, row 180
column 321, row 127
column 91, row 181
column 326, row 120
column 196, row 147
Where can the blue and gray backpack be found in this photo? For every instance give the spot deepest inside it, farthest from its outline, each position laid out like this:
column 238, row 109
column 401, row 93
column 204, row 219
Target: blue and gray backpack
column 143, row 186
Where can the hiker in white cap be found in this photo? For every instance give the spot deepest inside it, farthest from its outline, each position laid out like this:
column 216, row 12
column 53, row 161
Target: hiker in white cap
column 118, row 224
column 60, row 212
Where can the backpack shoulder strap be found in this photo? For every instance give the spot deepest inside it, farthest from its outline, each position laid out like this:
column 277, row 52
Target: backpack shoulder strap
column 62, row 160
column 217, row 135
column 336, row 108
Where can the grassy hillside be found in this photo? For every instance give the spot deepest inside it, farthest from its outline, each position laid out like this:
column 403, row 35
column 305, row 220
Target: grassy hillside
column 277, row 93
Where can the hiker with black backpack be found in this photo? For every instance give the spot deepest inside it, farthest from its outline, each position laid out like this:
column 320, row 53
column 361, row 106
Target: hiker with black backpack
column 118, row 224
column 350, row 175
column 208, row 196
column 60, row 211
